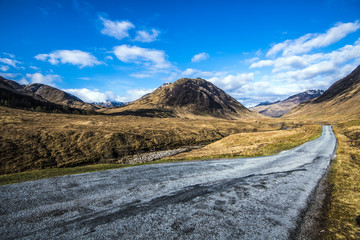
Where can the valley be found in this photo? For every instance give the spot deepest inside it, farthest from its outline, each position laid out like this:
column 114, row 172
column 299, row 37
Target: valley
column 180, row 120
column 53, row 139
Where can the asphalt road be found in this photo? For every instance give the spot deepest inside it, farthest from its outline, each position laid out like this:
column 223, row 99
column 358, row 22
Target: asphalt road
column 252, row 198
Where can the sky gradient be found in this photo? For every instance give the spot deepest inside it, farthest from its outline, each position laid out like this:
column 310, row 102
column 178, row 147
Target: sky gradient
column 120, row 50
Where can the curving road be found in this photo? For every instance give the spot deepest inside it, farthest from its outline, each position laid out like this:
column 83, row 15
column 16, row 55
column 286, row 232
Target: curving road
column 250, row 198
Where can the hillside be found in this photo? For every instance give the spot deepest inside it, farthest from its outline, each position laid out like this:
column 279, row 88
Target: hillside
column 58, row 96
column 339, row 102
column 279, row 108
column 15, row 95
column 186, row 98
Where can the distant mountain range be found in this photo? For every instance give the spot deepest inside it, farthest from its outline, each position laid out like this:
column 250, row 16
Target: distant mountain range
column 186, row 98
column 266, row 103
column 340, row 101
column 45, row 97
column 15, row 95
column 58, row 96
column 192, row 98
column 109, row 104
column 279, row 108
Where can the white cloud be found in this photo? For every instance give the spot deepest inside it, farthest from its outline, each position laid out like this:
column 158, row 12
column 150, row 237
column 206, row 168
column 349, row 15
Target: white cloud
column 145, row 36
column 109, row 58
column 251, row 60
column 308, row 72
column 231, row 82
column 258, row 52
column 10, row 62
column 200, row 57
column 116, row 29
column 9, row 75
column 333, row 59
column 4, row 68
column 10, row 55
column 262, row 63
column 88, row 95
column 23, row 81
column 44, row 79
column 35, row 68
column 84, row 78
column 148, row 57
column 75, row 57
column 134, row 94
column 312, row 41
column 140, row 75
column 94, row 95
column 191, row 72
column 285, row 63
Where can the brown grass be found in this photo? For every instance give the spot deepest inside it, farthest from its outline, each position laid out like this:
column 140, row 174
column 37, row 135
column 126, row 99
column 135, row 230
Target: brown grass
column 31, row 140
column 344, row 179
column 254, row 143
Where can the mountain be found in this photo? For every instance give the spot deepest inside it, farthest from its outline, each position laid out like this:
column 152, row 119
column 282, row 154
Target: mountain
column 40, row 97
column 266, row 103
column 109, row 104
column 58, row 96
column 279, row 108
column 186, row 98
column 340, row 101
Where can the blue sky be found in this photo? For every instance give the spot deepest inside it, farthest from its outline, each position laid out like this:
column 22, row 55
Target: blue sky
column 120, row 50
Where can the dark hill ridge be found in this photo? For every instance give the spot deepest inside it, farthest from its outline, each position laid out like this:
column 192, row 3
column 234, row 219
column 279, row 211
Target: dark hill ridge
column 11, row 87
column 187, row 98
column 41, row 97
column 58, row 96
column 279, row 108
column 340, row 101
column 341, row 87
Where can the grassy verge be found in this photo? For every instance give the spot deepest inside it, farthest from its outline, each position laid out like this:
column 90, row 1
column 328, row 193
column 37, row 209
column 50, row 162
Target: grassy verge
column 344, row 180
column 56, row 172
column 253, row 144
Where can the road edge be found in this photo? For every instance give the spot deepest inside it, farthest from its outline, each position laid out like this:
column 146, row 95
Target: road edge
column 312, row 225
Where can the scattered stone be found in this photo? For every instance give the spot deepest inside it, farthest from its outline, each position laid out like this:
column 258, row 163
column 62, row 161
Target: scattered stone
column 358, row 220
column 152, row 156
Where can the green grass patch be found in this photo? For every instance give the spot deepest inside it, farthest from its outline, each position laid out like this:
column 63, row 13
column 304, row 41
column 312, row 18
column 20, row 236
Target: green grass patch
column 54, row 172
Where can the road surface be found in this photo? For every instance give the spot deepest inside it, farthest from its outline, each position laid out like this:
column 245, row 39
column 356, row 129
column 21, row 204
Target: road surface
column 250, row 198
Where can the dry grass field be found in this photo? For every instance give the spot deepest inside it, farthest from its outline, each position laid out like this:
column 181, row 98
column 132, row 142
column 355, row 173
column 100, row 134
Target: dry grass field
column 59, row 144
column 31, row 140
column 344, row 178
column 254, row 143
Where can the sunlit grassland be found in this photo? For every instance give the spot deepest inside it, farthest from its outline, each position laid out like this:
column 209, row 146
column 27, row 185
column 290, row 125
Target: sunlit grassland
column 344, row 180
column 39, row 145
column 30, row 140
column 254, row 143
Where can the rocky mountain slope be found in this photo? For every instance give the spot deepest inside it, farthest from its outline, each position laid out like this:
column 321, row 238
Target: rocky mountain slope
column 279, row 108
column 187, row 98
column 340, row 101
